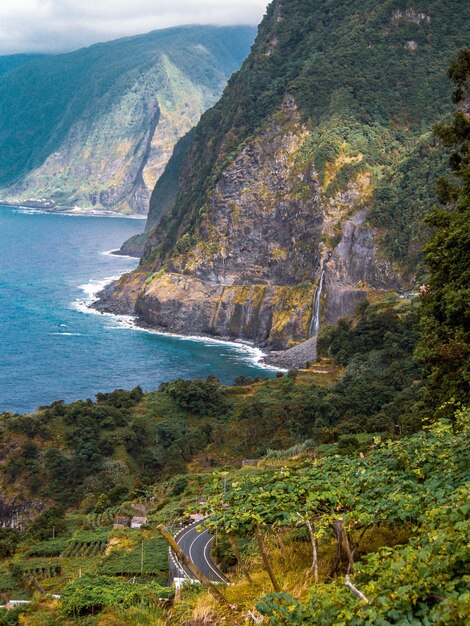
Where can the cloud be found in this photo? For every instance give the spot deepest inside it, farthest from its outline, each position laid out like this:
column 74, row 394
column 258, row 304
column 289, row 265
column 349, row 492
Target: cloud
column 59, row 25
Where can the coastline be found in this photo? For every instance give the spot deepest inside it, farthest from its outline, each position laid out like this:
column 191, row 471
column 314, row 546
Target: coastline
column 93, row 289
column 70, row 211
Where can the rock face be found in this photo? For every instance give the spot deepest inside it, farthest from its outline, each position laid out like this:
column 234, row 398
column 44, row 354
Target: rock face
column 140, row 96
column 302, row 192
column 255, row 268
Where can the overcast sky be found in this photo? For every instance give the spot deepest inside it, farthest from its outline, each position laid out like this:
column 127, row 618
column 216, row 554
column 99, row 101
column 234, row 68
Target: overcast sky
column 58, row 25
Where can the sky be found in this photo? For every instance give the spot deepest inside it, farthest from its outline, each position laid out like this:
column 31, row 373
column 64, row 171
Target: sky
column 61, row 25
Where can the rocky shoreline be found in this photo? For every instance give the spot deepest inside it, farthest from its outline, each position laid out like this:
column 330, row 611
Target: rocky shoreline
column 53, row 209
column 293, row 358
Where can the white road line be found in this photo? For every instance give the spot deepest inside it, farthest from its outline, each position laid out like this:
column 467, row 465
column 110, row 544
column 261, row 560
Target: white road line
column 198, row 536
column 207, row 545
column 181, row 535
column 208, row 560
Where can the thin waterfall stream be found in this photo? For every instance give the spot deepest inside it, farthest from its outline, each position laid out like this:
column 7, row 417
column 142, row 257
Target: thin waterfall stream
column 315, row 323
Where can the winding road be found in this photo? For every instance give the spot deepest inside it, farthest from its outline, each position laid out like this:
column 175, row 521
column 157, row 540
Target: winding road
column 196, row 544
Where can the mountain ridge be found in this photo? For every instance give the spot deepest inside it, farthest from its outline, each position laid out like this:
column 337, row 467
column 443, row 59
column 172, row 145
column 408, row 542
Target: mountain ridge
column 105, row 138
column 330, row 142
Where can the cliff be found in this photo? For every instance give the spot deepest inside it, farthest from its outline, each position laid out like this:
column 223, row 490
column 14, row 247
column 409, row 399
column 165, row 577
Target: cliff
column 302, row 192
column 106, row 118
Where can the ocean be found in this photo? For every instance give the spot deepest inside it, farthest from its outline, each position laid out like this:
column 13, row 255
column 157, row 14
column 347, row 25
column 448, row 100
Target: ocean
column 54, row 348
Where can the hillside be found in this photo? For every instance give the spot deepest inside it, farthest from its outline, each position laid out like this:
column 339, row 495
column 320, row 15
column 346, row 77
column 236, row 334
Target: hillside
column 337, row 494
column 341, row 488
column 106, row 118
column 68, row 471
column 302, row 192
column 11, row 62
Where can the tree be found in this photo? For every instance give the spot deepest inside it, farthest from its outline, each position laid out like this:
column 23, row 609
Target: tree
column 444, row 347
column 49, row 523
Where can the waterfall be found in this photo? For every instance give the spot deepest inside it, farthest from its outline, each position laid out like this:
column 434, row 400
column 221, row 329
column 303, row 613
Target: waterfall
column 315, row 323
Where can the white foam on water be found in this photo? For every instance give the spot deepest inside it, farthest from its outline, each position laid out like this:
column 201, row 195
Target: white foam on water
column 24, row 210
column 112, row 253
column 128, row 322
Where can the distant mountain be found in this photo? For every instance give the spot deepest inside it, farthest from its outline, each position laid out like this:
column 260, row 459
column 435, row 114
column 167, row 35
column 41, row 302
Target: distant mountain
column 11, row 62
column 96, row 127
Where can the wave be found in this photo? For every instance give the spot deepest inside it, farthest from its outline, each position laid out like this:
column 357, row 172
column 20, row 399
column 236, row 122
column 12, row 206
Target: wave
column 24, row 210
column 67, row 334
column 91, row 290
column 112, row 253
column 129, row 322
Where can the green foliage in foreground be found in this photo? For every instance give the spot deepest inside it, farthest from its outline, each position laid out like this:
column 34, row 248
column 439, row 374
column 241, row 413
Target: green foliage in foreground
column 92, row 593
column 423, row 582
column 421, row 483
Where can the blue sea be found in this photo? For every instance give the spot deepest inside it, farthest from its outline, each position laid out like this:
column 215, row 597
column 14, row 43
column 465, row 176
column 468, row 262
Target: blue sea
column 53, row 348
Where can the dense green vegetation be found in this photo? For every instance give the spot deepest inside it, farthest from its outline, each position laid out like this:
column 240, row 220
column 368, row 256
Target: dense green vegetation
column 445, row 304
column 99, row 592
column 418, row 485
column 361, row 91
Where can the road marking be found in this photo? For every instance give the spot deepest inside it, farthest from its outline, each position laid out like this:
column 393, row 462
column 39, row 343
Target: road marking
column 205, row 554
column 207, row 557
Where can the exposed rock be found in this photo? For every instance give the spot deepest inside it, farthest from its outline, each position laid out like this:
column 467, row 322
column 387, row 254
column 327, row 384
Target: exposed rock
column 254, row 271
column 296, row 357
column 120, row 297
column 133, row 246
column 411, row 15
column 16, row 514
column 265, row 209
column 354, row 269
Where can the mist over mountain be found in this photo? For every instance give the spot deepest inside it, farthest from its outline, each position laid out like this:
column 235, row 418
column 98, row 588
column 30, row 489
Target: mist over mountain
column 95, row 128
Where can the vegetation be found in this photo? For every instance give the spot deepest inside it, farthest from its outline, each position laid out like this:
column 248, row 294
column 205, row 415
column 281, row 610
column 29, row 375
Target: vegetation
column 417, row 485
column 89, row 594
column 362, row 92
column 111, row 97
column 444, row 347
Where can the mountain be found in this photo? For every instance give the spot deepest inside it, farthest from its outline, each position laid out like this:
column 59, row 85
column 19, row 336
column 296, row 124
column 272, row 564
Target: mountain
column 301, row 193
column 96, row 127
column 11, row 62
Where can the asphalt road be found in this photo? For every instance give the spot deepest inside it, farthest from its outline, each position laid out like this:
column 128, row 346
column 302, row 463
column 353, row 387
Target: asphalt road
column 197, row 546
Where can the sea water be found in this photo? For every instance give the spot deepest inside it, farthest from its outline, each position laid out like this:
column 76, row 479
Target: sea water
column 53, row 348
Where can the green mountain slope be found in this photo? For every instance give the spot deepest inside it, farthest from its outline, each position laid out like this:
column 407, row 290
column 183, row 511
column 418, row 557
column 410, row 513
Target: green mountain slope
column 302, row 192
column 95, row 128
column 11, row 62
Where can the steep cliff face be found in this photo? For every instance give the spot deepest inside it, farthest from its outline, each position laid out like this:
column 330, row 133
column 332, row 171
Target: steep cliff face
column 300, row 194
column 108, row 151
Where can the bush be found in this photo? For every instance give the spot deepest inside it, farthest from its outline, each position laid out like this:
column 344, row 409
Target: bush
column 48, row 523
column 94, row 593
column 9, row 539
